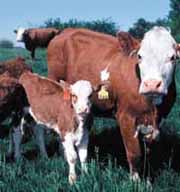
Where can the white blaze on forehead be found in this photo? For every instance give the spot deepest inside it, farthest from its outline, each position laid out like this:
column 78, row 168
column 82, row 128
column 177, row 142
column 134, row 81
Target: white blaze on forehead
column 157, row 48
column 19, row 35
column 82, row 89
column 158, row 42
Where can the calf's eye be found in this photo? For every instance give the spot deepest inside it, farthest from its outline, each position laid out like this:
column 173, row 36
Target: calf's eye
column 74, row 98
column 173, row 58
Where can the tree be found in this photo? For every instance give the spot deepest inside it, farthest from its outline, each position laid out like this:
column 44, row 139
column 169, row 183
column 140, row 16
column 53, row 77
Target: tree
column 5, row 43
column 174, row 18
column 142, row 26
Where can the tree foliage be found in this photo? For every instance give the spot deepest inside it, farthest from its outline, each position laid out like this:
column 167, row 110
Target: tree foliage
column 142, row 26
column 105, row 25
column 174, row 18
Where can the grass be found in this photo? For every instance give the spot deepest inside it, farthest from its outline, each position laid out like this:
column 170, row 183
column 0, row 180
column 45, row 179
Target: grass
column 106, row 170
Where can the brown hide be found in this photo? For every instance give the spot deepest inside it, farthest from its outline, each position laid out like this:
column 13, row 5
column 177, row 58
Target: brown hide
column 83, row 54
column 12, row 95
column 47, row 102
column 39, row 37
column 15, row 67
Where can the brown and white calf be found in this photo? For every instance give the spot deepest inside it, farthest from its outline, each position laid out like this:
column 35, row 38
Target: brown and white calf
column 65, row 109
column 34, row 38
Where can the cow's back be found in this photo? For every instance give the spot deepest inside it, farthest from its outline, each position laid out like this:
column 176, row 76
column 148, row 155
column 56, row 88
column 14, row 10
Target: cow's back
column 80, row 54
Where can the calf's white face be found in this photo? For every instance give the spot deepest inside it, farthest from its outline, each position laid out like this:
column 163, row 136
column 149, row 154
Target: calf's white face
column 81, row 91
column 157, row 56
column 19, row 34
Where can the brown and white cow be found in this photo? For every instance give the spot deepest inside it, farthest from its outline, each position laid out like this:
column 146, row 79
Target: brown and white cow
column 134, row 86
column 65, row 109
column 34, row 38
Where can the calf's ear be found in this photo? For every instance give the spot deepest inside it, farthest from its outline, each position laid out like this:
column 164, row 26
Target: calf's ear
column 64, row 85
column 66, row 90
column 128, row 44
column 15, row 31
column 178, row 50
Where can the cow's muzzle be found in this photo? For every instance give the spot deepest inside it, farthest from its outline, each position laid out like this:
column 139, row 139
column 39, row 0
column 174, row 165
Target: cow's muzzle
column 152, row 88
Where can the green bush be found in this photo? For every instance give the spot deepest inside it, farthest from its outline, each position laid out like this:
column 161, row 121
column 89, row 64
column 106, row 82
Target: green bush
column 5, row 43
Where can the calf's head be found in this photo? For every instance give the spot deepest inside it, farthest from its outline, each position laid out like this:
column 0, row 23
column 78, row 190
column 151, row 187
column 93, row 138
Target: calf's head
column 157, row 56
column 80, row 93
column 20, row 34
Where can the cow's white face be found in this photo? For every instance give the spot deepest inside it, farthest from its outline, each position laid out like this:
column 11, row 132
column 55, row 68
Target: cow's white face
column 81, row 92
column 19, row 35
column 157, row 56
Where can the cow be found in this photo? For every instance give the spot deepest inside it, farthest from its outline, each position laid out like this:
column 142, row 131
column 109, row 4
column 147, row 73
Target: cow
column 13, row 99
column 65, row 109
column 36, row 37
column 139, row 90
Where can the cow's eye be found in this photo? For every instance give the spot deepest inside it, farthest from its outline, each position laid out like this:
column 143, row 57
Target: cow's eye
column 74, row 98
column 139, row 56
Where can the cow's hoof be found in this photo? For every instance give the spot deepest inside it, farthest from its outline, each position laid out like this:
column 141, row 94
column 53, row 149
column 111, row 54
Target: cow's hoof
column 72, row 179
column 135, row 177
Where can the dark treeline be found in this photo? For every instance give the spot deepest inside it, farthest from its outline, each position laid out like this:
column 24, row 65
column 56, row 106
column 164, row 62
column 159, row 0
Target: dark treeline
column 103, row 25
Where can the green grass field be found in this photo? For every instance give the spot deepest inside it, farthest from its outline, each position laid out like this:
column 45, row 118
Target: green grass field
column 106, row 168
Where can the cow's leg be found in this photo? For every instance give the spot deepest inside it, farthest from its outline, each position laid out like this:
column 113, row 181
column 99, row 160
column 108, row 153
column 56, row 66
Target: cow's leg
column 71, row 157
column 17, row 134
column 33, row 54
column 10, row 148
column 39, row 135
column 17, row 138
column 131, row 143
column 82, row 152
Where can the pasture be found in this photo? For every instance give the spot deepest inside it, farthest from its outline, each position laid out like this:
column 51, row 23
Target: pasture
column 107, row 166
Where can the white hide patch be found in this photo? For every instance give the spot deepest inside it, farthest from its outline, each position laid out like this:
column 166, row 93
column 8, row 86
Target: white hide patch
column 50, row 125
column 19, row 34
column 105, row 75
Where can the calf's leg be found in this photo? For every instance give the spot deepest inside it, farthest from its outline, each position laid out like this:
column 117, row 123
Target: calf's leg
column 82, row 152
column 71, row 157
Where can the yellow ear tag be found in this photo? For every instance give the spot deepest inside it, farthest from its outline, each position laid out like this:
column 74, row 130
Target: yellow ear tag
column 103, row 93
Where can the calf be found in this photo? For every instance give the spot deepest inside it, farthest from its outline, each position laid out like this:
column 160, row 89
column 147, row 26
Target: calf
column 65, row 109
column 33, row 38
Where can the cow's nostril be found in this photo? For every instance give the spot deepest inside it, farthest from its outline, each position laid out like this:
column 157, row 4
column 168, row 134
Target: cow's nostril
column 158, row 84
column 146, row 84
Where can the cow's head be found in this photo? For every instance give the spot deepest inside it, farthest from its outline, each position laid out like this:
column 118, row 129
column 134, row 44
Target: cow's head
column 20, row 34
column 157, row 56
column 79, row 94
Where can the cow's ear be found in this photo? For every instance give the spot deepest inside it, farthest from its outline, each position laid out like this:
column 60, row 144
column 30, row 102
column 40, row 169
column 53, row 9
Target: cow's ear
column 127, row 42
column 15, row 31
